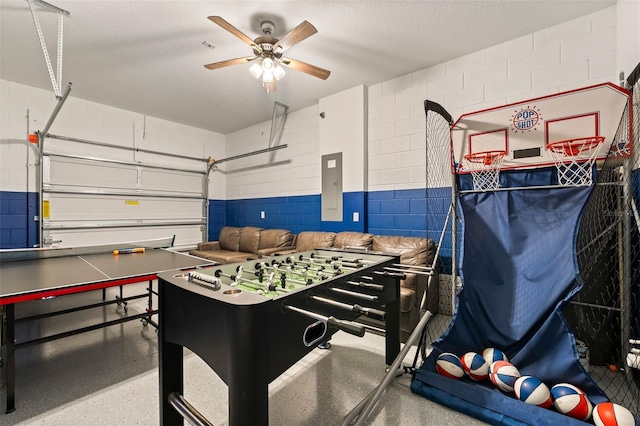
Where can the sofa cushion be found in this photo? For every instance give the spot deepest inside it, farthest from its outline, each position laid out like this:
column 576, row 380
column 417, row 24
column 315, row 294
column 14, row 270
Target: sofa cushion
column 350, row 239
column 201, row 253
column 229, row 238
column 249, row 239
column 270, row 238
column 309, row 240
column 412, row 250
column 227, row 256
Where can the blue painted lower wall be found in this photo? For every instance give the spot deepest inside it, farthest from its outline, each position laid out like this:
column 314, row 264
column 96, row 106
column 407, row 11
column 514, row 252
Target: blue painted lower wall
column 295, row 213
column 396, row 212
column 17, row 227
column 217, row 218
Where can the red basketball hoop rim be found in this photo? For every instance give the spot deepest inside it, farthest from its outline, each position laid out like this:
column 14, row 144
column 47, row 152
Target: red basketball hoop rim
column 485, row 157
column 575, row 146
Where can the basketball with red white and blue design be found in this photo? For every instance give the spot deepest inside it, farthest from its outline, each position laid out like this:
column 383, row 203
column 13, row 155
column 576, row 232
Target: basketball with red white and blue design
column 532, row 391
column 572, row 401
column 503, row 374
column 610, row 414
column 492, row 355
column 449, row 365
column 475, row 366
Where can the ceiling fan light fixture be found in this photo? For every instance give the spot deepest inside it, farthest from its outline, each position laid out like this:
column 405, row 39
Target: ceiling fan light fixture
column 268, row 50
column 267, row 77
column 270, row 86
column 267, row 65
column 256, row 70
column 278, row 72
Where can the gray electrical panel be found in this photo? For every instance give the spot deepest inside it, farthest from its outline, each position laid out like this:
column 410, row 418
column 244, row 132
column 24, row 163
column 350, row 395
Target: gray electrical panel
column 331, row 200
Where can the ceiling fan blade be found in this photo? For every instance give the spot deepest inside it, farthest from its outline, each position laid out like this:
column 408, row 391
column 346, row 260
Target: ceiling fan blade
column 296, row 35
column 221, row 64
column 233, row 30
column 306, row 68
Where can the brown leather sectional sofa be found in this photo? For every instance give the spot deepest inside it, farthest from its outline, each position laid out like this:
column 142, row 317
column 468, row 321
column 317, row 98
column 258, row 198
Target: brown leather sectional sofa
column 240, row 244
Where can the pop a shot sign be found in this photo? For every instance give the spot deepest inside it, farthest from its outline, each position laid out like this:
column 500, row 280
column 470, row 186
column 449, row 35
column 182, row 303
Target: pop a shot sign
column 525, row 119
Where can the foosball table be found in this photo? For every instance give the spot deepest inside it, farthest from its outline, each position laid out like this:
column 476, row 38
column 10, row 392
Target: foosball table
column 251, row 321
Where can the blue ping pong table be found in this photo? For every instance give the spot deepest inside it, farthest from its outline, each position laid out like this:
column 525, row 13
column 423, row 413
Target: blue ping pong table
column 27, row 275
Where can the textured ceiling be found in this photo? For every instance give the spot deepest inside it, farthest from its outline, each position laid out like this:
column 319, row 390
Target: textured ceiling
column 148, row 57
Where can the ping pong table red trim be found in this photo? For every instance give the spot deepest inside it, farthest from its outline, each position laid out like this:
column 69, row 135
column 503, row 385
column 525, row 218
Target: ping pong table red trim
column 34, row 279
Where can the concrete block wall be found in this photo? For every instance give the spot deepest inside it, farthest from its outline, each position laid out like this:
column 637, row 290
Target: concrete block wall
column 578, row 53
column 291, row 171
column 283, row 188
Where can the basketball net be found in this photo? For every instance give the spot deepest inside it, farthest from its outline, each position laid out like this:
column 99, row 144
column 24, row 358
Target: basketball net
column 485, row 169
column 573, row 168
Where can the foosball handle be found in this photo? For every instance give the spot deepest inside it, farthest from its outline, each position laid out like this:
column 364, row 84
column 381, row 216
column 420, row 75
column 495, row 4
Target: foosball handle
column 346, row 326
column 370, row 312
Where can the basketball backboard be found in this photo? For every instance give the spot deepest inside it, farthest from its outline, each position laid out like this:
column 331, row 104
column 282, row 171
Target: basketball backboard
column 524, row 129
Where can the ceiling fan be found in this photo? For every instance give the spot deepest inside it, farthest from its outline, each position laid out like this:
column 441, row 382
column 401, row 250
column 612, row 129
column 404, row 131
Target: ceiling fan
column 268, row 51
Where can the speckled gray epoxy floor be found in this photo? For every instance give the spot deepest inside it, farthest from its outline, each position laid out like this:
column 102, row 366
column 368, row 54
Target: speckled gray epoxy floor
column 110, row 377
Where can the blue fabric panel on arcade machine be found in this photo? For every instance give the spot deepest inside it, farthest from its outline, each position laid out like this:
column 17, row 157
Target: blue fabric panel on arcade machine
column 519, row 269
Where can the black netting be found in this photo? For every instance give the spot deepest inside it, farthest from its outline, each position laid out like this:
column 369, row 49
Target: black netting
column 605, row 313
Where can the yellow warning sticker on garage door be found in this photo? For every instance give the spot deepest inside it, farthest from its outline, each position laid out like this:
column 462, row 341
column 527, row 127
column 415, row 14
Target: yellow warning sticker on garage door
column 46, row 209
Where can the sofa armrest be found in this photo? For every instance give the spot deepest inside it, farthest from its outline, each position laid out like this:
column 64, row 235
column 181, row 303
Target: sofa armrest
column 209, row 245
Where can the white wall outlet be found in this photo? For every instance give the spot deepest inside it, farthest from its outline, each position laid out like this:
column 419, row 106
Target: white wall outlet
column 356, row 216
column 262, row 215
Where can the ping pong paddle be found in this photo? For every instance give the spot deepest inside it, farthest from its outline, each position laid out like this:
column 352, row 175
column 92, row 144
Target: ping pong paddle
column 132, row 250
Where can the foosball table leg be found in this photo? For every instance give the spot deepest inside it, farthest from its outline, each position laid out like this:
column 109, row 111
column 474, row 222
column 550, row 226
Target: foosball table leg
column 392, row 331
column 171, row 371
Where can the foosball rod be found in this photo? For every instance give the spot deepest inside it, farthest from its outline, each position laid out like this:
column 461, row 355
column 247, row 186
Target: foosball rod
column 343, row 262
column 363, row 310
column 401, row 265
column 346, row 326
column 261, row 273
column 289, row 279
column 355, row 294
column 269, row 285
column 313, row 273
column 318, row 260
column 292, row 260
column 291, row 266
column 348, row 267
column 385, row 273
column 342, row 259
column 304, row 268
column 334, row 270
column 239, row 279
column 368, row 286
column 407, row 270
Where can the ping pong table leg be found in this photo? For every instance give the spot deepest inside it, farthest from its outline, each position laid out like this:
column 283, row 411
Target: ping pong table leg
column 120, row 300
column 9, row 313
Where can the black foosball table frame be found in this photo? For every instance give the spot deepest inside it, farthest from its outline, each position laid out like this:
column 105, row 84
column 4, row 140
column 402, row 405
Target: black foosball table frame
column 252, row 321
